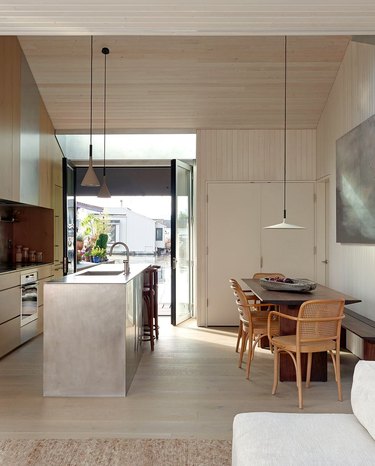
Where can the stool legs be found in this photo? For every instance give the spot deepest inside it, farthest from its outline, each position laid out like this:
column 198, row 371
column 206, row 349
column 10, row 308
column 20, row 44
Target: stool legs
column 150, row 295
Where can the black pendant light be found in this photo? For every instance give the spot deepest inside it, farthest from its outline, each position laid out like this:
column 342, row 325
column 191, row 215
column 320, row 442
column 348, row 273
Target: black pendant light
column 284, row 225
column 90, row 178
column 104, row 191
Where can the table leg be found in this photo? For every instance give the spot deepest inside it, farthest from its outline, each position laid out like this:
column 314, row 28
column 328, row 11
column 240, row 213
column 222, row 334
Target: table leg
column 287, row 370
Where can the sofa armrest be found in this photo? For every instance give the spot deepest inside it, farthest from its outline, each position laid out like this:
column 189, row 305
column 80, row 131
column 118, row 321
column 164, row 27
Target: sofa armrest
column 363, row 395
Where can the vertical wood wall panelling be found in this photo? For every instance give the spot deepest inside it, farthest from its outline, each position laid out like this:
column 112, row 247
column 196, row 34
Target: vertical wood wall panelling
column 244, row 155
column 351, row 101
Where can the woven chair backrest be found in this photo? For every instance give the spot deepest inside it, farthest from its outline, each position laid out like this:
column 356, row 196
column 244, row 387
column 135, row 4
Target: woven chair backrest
column 325, row 323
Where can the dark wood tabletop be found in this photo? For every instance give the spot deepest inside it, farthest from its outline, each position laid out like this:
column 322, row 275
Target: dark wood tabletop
column 294, row 298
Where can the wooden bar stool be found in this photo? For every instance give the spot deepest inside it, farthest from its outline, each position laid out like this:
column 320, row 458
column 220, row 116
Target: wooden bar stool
column 150, row 296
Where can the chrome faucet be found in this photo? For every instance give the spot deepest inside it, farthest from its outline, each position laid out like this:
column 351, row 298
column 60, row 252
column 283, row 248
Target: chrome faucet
column 125, row 261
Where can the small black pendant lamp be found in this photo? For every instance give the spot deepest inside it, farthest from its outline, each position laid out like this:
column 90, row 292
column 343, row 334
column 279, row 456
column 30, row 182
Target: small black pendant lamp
column 104, row 191
column 284, row 225
column 90, row 178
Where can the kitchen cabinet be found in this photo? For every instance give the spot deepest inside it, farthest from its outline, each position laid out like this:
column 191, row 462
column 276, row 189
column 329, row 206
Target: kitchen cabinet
column 10, row 96
column 35, row 327
column 58, row 231
column 11, row 332
column 30, row 154
column 29, row 136
column 50, row 166
column 10, row 308
column 239, row 246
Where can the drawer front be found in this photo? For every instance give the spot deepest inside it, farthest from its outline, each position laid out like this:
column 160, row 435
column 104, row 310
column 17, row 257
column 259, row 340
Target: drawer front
column 29, row 331
column 10, row 335
column 45, row 271
column 10, row 304
column 8, row 280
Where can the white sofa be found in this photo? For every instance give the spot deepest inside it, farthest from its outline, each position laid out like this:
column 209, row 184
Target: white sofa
column 311, row 439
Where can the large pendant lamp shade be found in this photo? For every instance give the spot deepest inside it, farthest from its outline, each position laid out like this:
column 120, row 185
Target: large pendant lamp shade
column 284, row 225
column 104, row 191
column 90, row 178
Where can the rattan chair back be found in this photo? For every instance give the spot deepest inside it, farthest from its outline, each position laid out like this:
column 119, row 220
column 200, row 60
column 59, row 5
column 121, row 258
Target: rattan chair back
column 319, row 320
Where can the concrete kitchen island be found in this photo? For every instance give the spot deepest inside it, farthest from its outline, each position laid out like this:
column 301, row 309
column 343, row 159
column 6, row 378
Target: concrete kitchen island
column 93, row 331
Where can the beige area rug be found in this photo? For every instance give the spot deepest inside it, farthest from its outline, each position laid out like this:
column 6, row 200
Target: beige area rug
column 113, row 452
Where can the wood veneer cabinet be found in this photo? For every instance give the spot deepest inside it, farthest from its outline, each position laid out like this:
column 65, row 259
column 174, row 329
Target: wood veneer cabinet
column 10, row 306
column 10, row 97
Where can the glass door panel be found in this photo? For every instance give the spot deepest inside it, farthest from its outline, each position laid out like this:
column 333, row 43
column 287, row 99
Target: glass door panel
column 69, row 223
column 181, row 242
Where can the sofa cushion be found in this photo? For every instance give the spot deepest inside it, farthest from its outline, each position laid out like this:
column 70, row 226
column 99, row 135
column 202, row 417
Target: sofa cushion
column 363, row 395
column 300, row 439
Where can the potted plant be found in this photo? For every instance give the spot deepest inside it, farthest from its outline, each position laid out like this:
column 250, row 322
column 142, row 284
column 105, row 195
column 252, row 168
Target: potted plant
column 98, row 254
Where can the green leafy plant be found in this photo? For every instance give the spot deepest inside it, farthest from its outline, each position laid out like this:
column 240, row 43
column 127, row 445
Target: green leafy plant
column 95, row 224
column 102, row 241
column 98, row 252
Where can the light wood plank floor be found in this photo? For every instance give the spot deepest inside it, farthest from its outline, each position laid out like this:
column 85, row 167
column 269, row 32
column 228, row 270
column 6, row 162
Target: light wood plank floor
column 190, row 387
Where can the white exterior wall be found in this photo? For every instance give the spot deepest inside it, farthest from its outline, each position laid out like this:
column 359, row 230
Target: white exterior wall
column 136, row 230
column 351, row 101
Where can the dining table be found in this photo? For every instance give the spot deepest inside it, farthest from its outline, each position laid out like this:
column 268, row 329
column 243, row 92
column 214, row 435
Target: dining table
column 289, row 303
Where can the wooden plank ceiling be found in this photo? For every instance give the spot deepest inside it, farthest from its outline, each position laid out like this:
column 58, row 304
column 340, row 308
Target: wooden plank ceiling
column 185, row 82
column 181, row 17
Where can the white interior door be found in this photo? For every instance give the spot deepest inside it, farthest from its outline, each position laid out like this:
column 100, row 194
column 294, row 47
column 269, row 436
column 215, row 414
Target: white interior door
column 233, row 245
column 290, row 252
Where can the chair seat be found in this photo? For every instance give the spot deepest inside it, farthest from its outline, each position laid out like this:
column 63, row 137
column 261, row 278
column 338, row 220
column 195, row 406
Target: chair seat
column 289, row 342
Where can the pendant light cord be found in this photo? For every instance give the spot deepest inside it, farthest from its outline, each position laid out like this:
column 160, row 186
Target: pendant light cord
column 105, row 110
column 285, row 72
column 91, row 73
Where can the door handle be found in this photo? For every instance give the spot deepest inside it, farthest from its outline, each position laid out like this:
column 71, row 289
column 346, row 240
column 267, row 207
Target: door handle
column 65, row 265
column 325, row 261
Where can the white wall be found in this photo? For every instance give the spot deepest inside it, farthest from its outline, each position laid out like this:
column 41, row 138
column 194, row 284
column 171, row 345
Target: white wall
column 136, row 230
column 351, row 101
column 244, row 155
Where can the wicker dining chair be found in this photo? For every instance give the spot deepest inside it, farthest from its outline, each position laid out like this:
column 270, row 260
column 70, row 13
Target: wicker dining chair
column 318, row 327
column 250, row 297
column 254, row 318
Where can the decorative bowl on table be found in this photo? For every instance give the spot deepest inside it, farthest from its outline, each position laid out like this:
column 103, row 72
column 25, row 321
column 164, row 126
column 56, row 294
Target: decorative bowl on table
column 287, row 284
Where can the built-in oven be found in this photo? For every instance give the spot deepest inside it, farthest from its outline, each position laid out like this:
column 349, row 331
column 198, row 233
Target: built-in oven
column 29, row 303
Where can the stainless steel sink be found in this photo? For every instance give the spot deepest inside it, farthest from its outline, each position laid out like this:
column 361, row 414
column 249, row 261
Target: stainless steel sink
column 101, row 272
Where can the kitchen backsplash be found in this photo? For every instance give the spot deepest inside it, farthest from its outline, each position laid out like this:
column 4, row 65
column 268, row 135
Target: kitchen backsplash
column 28, row 226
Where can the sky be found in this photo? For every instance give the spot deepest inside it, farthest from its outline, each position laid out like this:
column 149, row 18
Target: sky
column 150, row 206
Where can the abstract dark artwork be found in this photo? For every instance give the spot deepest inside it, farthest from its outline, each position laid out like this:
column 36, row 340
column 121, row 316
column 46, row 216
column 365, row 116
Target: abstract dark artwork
column 355, row 185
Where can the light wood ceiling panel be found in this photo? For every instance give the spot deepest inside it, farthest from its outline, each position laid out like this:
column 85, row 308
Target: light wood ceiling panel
column 181, row 17
column 185, row 82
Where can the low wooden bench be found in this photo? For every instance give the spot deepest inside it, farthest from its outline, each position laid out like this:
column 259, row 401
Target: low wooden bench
column 358, row 335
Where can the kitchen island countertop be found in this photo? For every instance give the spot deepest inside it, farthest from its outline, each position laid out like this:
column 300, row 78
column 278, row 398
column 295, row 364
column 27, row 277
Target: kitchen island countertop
column 85, row 276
